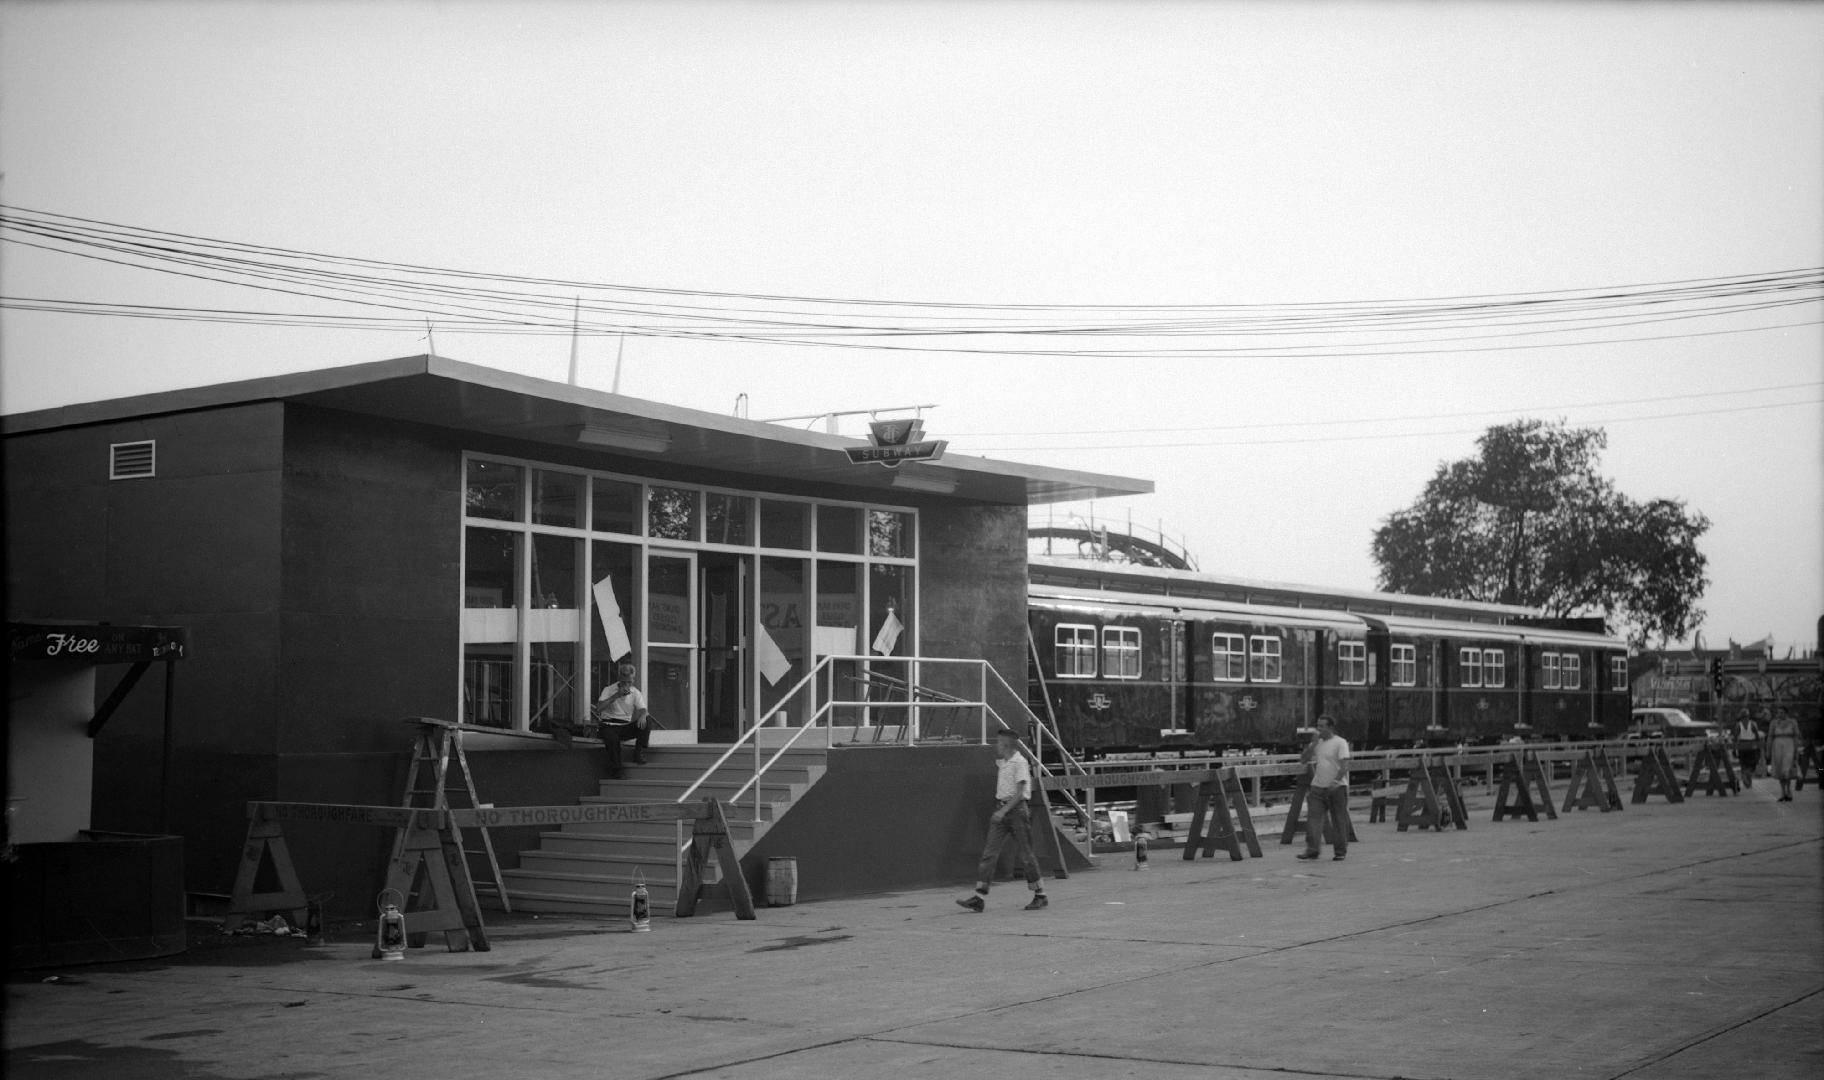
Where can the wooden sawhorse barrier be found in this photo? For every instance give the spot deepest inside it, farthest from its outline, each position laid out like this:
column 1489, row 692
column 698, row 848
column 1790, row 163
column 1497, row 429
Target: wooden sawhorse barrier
column 1656, row 777
column 1431, row 800
column 1712, row 764
column 1231, row 825
column 1592, row 784
column 1296, row 816
column 1523, row 777
column 429, row 864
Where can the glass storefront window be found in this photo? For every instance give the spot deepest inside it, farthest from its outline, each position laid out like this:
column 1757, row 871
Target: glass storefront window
column 671, row 513
column 614, row 612
column 839, row 530
column 891, row 534
column 728, row 519
column 720, row 633
column 785, row 524
column 557, row 499
column 492, row 578
column 493, row 491
column 783, row 607
column 616, row 507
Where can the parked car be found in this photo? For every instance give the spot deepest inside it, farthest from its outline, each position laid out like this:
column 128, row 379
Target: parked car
column 1670, row 724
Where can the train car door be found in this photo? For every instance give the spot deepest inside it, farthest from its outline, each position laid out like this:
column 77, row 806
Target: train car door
column 1177, row 676
column 1380, row 703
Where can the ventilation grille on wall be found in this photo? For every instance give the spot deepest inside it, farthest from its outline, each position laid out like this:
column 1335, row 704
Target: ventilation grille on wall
column 131, row 460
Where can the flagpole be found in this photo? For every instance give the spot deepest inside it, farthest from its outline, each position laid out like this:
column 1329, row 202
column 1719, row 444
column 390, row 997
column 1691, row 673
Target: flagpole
column 576, row 315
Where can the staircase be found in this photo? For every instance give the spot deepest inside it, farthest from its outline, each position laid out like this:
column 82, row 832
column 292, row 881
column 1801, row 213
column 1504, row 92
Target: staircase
column 590, row 869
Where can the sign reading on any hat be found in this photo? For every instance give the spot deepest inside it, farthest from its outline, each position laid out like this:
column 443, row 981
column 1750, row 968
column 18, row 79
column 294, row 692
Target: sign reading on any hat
column 896, row 441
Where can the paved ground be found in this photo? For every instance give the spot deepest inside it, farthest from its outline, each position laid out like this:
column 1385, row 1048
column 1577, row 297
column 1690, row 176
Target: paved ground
column 1660, row 942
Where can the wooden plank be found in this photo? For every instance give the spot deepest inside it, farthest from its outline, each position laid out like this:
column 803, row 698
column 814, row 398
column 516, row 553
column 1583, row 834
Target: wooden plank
column 394, row 817
column 1148, row 778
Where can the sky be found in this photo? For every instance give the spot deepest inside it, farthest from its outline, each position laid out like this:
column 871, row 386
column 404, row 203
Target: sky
column 1069, row 154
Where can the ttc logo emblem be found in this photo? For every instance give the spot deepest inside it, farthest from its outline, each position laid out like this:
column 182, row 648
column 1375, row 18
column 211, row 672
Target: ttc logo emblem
column 1247, row 703
column 1098, row 702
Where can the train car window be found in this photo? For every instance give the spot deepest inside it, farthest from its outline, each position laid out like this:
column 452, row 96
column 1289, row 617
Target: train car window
column 1076, row 651
column 1263, row 659
column 1121, row 652
column 1494, row 668
column 1403, row 660
column 1572, row 666
column 1618, row 673
column 1230, row 652
column 1469, row 668
column 1548, row 670
column 1352, row 663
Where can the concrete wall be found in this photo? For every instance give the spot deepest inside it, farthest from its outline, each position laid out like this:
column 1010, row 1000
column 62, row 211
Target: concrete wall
column 884, row 818
column 197, row 545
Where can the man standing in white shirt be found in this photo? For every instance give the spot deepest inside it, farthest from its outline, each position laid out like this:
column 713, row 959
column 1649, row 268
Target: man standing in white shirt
column 1012, row 817
column 1327, row 803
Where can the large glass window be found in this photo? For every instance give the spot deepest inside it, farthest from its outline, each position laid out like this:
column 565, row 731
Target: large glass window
column 1075, row 651
column 1352, row 663
column 671, row 513
column 785, row 524
column 557, row 499
column 493, row 491
column 1263, row 659
column 1230, row 653
column 615, row 506
column 1121, row 652
column 728, row 519
column 547, row 611
column 839, row 530
column 892, row 533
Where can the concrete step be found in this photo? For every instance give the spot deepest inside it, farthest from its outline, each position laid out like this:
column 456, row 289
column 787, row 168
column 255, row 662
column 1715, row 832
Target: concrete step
column 655, row 868
column 605, row 886
column 565, row 904
column 745, row 810
column 741, row 826
column 636, row 787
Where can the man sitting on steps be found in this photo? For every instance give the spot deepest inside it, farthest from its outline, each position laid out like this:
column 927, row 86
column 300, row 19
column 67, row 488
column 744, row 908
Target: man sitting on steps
column 623, row 717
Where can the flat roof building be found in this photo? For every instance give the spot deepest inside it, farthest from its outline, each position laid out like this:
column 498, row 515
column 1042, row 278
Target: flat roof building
column 421, row 537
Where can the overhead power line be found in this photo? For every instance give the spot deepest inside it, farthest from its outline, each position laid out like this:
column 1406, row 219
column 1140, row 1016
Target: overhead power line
column 374, row 294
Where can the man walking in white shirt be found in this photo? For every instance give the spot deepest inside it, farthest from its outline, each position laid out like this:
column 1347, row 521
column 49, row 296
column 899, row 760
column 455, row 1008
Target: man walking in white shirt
column 1012, row 818
column 1327, row 803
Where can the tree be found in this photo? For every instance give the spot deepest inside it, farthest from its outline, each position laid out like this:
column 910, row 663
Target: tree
column 1529, row 521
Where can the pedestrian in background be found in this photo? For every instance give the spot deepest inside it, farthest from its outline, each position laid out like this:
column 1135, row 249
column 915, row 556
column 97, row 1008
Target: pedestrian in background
column 1783, row 752
column 1327, row 802
column 1747, row 746
column 1012, row 818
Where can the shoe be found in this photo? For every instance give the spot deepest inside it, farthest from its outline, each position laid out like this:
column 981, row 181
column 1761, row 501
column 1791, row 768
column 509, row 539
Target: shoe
column 1307, row 854
column 1038, row 901
column 1338, row 857
column 973, row 903
column 616, row 774
column 639, row 759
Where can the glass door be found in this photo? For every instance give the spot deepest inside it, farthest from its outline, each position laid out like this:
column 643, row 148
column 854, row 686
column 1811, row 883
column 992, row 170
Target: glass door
column 723, row 617
column 671, row 644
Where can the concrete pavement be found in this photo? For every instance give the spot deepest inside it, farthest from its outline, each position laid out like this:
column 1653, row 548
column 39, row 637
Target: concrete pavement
column 1663, row 941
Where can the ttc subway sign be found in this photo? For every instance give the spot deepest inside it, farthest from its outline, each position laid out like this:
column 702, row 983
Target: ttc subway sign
column 896, row 441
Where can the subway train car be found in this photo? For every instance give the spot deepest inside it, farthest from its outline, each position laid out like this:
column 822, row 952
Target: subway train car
column 1209, row 667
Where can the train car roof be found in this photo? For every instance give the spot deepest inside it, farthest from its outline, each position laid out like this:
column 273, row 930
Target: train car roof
column 1542, row 635
column 1176, row 582
column 1057, row 596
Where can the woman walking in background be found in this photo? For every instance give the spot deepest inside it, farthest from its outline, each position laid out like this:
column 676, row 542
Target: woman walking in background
column 1783, row 752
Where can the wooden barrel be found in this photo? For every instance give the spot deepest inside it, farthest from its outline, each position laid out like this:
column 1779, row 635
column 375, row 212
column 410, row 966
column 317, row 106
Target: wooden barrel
column 781, row 881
